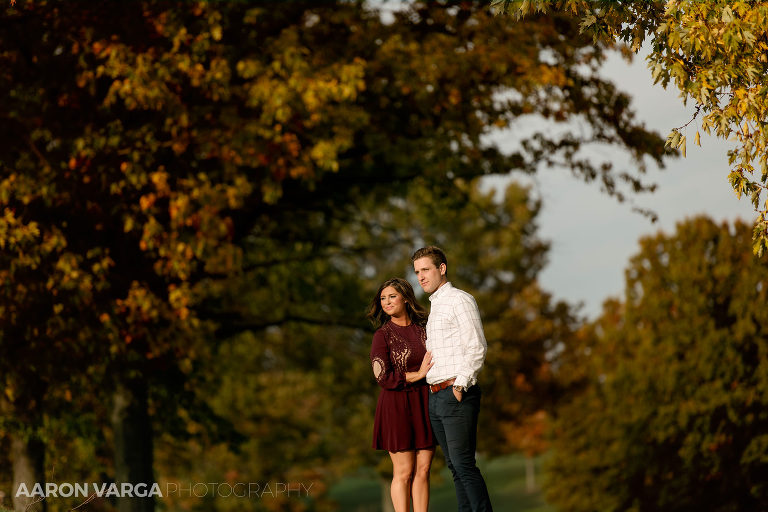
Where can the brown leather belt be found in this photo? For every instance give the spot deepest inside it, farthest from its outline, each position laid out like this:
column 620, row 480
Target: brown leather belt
column 441, row 385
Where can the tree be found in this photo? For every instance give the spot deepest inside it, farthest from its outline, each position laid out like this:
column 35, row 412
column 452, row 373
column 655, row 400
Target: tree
column 715, row 53
column 99, row 234
column 673, row 414
column 157, row 155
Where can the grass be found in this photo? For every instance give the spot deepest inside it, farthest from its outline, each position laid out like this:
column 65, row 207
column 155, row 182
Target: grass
column 505, row 477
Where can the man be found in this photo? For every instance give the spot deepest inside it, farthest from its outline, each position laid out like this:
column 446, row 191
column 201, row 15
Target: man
column 457, row 343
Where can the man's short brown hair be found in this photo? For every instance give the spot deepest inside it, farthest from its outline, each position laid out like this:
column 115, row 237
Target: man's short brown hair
column 435, row 253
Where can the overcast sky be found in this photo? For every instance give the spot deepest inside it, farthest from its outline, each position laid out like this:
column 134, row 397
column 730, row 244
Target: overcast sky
column 592, row 235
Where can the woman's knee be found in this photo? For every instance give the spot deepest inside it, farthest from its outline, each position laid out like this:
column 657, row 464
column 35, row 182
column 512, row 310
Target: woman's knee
column 422, row 470
column 421, row 474
column 402, row 476
column 402, row 472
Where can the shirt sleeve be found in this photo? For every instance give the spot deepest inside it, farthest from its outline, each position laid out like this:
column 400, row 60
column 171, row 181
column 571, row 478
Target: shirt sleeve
column 473, row 344
column 386, row 375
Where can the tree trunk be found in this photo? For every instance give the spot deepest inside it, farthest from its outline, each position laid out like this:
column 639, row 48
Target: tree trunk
column 386, row 497
column 530, row 474
column 27, row 459
column 133, row 443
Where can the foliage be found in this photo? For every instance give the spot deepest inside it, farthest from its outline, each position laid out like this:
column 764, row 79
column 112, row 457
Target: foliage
column 673, row 416
column 177, row 175
column 311, row 263
column 715, row 53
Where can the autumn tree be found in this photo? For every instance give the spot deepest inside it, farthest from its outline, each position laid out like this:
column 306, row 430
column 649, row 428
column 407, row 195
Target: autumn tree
column 673, row 415
column 119, row 185
column 157, row 156
column 715, row 53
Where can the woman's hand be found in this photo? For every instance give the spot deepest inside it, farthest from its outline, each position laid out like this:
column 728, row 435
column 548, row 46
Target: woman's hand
column 426, row 364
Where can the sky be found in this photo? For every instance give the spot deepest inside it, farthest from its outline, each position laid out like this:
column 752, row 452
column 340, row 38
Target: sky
column 592, row 235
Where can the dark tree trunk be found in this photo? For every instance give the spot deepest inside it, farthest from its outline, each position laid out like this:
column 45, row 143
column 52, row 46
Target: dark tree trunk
column 133, row 443
column 27, row 459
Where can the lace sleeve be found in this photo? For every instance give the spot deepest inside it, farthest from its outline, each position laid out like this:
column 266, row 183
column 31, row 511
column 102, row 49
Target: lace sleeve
column 383, row 371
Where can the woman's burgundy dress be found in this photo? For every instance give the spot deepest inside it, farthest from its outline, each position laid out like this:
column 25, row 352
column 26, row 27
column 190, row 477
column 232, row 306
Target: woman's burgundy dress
column 402, row 413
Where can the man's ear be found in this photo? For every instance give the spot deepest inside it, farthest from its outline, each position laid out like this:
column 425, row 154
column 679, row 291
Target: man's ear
column 443, row 269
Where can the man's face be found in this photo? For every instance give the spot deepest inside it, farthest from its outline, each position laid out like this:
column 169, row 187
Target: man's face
column 430, row 277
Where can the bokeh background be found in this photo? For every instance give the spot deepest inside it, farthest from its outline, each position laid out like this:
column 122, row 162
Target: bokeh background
column 199, row 200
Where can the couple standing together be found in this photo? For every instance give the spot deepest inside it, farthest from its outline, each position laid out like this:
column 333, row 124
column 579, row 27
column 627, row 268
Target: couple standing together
column 428, row 377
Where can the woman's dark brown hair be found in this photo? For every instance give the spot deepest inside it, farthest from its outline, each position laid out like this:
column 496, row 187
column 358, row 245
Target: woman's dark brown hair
column 416, row 313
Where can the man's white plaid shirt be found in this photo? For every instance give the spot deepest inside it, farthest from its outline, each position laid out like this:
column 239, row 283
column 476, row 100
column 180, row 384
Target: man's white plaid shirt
column 455, row 337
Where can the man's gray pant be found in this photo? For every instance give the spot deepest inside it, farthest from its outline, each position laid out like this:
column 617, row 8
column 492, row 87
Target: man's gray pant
column 455, row 426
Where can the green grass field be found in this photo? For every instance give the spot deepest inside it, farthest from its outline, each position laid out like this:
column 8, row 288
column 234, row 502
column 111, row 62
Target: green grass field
column 505, row 477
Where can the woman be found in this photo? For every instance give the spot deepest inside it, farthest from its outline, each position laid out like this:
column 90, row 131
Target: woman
column 400, row 363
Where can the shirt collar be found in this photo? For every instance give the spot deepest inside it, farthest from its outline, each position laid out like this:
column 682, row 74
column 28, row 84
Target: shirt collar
column 440, row 291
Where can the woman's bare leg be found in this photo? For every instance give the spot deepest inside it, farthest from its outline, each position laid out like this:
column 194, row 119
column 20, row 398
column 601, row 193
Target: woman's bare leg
column 402, row 475
column 420, row 486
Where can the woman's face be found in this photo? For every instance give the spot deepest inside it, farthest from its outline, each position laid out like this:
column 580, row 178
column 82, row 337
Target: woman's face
column 392, row 302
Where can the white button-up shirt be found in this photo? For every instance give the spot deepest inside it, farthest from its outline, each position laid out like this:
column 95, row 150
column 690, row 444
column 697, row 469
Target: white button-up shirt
column 455, row 337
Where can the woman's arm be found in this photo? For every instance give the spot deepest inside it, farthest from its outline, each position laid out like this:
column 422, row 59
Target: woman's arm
column 386, row 375
column 426, row 364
